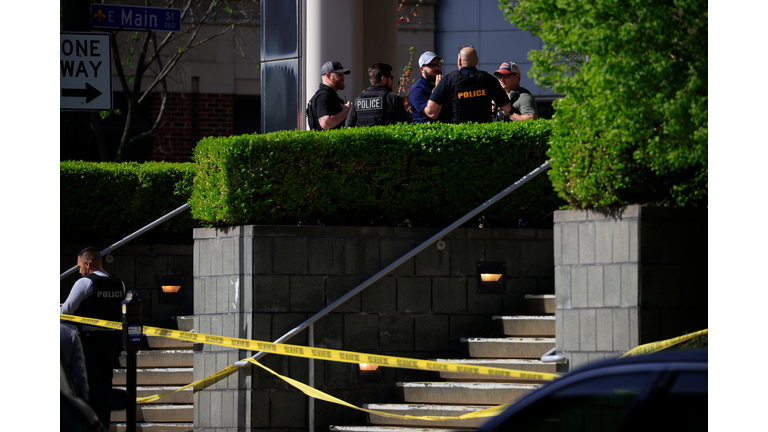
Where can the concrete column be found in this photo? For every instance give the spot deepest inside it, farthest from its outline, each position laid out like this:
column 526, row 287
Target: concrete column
column 379, row 35
column 356, row 33
column 333, row 33
column 628, row 276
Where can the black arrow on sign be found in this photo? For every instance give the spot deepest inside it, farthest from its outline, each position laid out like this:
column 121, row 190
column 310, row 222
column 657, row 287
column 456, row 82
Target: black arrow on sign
column 89, row 92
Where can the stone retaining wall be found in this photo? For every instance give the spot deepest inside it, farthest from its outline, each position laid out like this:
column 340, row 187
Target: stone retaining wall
column 259, row 282
column 628, row 276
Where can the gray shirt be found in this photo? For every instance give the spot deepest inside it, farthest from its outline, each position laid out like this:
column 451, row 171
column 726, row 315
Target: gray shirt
column 525, row 103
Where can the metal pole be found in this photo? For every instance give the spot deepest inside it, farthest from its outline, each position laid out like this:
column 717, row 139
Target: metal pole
column 525, row 179
column 311, row 408
column 130, row 383
column 170, row 215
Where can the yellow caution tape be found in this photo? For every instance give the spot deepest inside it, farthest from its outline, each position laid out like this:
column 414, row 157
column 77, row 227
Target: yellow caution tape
column 322, row 353
column 198, row 385
column 348, row 357
column 658, row 346
column 317, row 394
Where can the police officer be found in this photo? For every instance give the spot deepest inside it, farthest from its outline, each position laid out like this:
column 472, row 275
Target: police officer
column 377, row 105
column 468, row 92
column 99, row 295
column 325, row 109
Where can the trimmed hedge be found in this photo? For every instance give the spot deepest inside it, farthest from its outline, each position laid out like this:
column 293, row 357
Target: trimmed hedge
column 414, row 175
column 102, row 203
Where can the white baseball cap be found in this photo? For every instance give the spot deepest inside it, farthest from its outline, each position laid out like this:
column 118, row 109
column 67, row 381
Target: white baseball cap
column 427, row 57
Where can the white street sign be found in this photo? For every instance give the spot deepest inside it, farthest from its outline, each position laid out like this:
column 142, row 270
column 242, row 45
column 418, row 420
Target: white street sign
column 85, row 71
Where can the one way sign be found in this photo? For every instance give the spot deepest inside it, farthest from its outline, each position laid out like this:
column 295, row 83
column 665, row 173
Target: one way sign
column 85, row 71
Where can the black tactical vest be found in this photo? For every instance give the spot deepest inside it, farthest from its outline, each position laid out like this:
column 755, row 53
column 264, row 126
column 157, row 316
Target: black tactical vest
column 371, row 108
column 471, row 100
column 106, row 301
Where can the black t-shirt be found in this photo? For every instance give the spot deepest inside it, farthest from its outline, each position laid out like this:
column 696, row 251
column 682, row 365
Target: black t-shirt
column 328, row 102
column 443, row 93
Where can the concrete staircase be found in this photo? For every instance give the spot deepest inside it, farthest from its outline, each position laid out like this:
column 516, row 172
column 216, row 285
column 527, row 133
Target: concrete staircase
column 519, row 344
column 166, row 365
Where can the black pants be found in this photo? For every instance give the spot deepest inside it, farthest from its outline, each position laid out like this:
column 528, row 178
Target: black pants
column 99, row 348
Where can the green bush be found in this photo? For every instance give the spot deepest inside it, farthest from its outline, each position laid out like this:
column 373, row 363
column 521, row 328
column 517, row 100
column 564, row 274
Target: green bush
column 102, row 203
column 415, row 175
column 632, row 127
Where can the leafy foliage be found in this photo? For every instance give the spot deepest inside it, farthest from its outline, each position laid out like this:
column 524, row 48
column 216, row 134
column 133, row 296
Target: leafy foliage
column 102, row 203
column 415, row 175
column 632, row 127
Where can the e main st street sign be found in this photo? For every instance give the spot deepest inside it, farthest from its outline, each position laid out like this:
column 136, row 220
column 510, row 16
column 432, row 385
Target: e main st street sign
column 85, row 71
column 135, row 17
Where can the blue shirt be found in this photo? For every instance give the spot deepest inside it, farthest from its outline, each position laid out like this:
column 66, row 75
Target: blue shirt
column 418, row 97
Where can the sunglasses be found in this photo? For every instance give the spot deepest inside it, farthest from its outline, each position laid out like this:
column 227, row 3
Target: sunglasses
column 465, row 46
column 500, row 76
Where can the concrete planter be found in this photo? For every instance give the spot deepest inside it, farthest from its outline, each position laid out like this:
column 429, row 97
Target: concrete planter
column 628, row 276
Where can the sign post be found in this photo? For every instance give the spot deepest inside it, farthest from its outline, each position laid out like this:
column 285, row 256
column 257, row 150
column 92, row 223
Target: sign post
column 85, row 71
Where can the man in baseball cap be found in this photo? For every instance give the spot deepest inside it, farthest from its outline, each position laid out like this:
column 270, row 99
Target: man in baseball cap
column 523, row 103
column 325, row 109
column 431, row 67
column 334, row 67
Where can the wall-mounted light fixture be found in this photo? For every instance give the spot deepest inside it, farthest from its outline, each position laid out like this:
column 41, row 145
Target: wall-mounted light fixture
column 171, row 289
column 491, row 278
column 369, row 373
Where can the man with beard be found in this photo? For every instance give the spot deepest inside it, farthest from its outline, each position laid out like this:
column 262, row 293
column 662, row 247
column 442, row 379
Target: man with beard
column 431, row 67
column 467, row 93
column 523, row 102
column 328, row 111
column 377, row 105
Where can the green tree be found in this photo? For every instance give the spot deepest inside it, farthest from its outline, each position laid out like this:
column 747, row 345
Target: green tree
column 154, row 55
column 632, row 127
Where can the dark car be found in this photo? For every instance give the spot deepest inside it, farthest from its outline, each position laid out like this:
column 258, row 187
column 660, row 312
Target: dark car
column 662, row 391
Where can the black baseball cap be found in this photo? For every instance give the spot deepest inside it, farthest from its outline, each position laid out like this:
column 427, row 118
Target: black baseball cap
column 334, row 67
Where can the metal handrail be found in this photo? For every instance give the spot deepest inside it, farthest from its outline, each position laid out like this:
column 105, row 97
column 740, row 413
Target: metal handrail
column 404, row 258
column 170, row 215
column 550, row 357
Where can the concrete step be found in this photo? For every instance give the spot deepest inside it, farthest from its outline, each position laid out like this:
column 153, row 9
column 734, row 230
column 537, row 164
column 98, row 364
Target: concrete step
column 158, row 414
column 525, row 325
column 164, row 343
column 185, row 323
column 391, row 429
column 160, row 359
column 155, row 377
column 180, row 397
column 511, row 347
column 540, row 304
column 425, row 410
column 517, row 364
column 462, row 393
column 154, row 427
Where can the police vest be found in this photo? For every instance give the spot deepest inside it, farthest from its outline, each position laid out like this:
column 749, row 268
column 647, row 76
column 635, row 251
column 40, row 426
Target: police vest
column 106, row 301
column 471, row 100
column 372, row 109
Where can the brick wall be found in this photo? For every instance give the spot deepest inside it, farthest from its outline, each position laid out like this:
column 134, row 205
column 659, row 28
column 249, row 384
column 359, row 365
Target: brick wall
column 188, row 118
column 259, row 282
column 626, row 277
